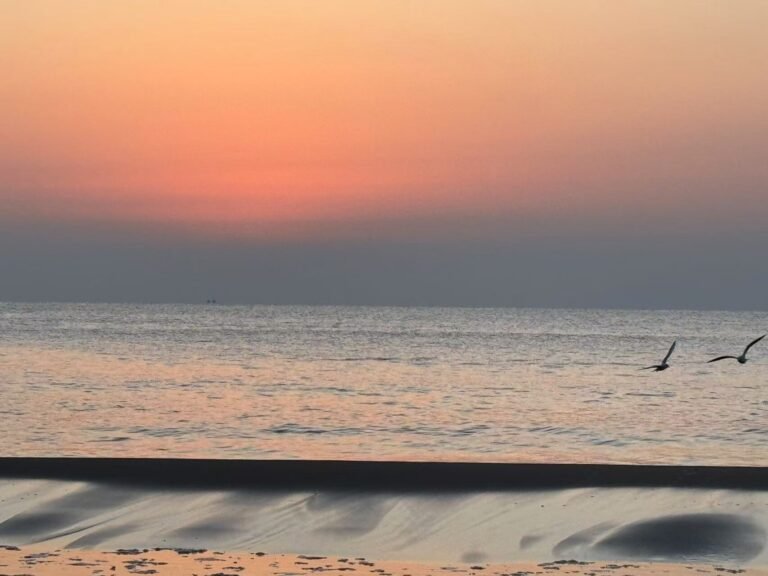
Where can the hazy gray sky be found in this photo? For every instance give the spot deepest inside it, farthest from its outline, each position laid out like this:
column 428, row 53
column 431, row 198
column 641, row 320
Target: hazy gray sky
column 610, row 269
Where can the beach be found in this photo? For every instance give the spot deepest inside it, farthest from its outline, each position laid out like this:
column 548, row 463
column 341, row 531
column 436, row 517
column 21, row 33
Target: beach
column 578, row 514
column 42, row 562
column 377, row 434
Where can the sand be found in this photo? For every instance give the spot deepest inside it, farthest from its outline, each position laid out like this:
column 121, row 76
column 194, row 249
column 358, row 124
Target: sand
column 722, row 520
column 56, row 562
column 586, row 524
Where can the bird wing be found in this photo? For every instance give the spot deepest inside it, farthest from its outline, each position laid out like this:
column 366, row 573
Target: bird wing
column 721, row 358
column 648, row 367
column 755, row 341
column 671, row 349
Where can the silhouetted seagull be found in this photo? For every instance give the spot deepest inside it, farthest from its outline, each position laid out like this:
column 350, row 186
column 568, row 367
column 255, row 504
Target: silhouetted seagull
column 663, row 365
column 743, row 358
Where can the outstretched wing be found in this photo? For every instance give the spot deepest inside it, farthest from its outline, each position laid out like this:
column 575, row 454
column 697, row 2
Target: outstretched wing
column 671, row 349
column 648, row 367
column 755, row 341
column 721, row 358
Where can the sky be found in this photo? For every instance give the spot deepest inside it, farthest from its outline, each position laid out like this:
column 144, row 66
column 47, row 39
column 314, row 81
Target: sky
column 439, row 152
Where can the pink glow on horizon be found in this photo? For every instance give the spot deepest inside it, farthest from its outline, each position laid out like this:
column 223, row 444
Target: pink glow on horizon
column 197, row 113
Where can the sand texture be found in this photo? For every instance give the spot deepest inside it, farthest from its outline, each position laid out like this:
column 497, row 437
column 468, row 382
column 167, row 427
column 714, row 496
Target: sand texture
column 585, row 524
column 414, row 512
column 44, row 562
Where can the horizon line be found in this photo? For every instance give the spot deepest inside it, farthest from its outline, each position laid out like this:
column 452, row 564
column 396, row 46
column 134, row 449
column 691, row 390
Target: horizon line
column 358, row 305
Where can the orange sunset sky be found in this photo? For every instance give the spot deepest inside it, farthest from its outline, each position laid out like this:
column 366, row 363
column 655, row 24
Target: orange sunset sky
column 301, row 121
column 279, row 117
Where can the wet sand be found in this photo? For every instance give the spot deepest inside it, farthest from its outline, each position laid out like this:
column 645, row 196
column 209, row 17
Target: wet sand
column 475, row 518
column 56, row 562
column 377, row 476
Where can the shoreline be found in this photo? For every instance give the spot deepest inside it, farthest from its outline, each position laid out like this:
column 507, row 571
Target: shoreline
column 376, row 475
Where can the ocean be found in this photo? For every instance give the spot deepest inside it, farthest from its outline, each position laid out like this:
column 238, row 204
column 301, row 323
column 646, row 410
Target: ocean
column 416, row 384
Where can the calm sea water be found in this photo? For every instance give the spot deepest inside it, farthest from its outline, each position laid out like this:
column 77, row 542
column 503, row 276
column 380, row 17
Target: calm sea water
column 381, row 383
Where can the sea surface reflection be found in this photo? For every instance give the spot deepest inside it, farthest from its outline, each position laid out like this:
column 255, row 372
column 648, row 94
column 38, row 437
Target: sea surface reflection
column 381, row 383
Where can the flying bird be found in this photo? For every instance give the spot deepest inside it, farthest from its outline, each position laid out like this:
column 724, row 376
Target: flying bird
column 743, row 358
column 663, row 365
